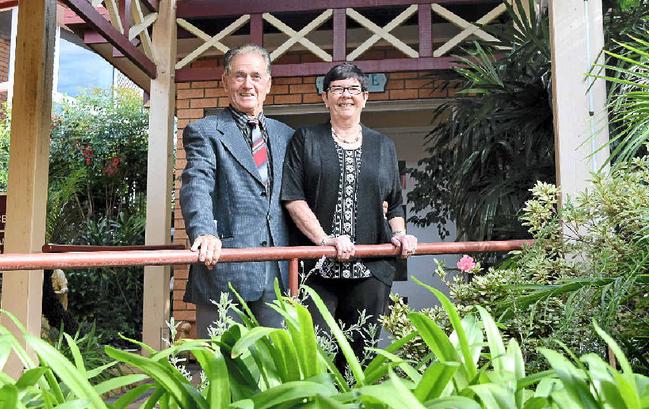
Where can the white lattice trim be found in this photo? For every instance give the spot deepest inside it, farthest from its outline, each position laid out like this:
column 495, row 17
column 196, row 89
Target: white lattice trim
column 468, row 28
column 113, row 13
column 140, row 27
column 299, row 36
column 209, row 41
column 383, row 32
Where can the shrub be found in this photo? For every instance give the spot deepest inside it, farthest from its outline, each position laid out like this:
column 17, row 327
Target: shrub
column 247, row 366
column 590, row 259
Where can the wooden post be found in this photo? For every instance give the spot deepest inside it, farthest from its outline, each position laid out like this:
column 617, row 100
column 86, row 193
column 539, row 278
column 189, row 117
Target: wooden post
column 580, row 118
column 29, row 163
column 159, row 172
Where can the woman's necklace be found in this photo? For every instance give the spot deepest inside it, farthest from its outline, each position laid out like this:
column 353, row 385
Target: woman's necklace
column 340, row 140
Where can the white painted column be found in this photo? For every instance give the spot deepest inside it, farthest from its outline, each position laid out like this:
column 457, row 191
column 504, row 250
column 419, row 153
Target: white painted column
column 576, row 34
column 159, row 173
column 29, row 162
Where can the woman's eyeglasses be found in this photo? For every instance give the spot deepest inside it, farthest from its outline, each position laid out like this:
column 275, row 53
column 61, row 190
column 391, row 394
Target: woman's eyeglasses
column 353, row 90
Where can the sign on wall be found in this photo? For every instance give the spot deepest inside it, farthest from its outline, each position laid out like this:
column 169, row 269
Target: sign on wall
column 375, row 82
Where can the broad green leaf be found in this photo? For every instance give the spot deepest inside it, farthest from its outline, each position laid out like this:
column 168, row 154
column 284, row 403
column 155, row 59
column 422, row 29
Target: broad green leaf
column 601, row 375
column 494, row 396
column 250, row 338
column 395, row 360
column 377, row 368
column 97, row 371
column 495, row 341
column 75, row 404
column 346, row 349
column 162, row 374
column 68, row 374
column 393, row 393
column 8, row 396
column 286, row 356
column 5, row 349
column 216, row 371
column 119, row 382
column 130, row 396
column 572, row 379
column 325, row 402
column 243, row 404
column 536, row 403
column 435, row 380
column 30, row 377
column 455, row 402
column 288, row 392
column 454, row 318
column 76, row 354
column 434, row 337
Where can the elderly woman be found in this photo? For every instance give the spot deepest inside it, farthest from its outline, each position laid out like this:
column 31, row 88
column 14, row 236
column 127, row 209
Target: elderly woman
column 337, row 177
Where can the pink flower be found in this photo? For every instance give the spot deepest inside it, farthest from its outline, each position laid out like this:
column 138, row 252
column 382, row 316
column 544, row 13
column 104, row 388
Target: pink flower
column 466, row 264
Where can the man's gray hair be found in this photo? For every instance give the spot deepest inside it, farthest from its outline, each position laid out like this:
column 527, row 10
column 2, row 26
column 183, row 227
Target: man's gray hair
column 246, row 49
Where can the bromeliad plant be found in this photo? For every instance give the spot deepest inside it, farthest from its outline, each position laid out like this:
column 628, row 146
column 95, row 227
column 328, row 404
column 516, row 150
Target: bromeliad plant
column 248, row 366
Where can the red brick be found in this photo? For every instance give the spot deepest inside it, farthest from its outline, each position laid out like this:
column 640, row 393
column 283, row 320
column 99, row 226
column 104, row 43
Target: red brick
column 287, row 99
column 205, row 84
column 182, row 123
column 179, row 305
column 279, row 89
column 394, row 84
column 402, row 75
column 287, row 80
column 180, row 163
column 180, row 284
column 215, row 92
column 178, row 294
column 204, row 103
column 403, row 94
column 183, row 85
column 305, row 88
column 421, row 83
column 379, row 96
column 186, row 315
column 311, row 98
column 189, row 93
column 192, row 113
column 182, row 103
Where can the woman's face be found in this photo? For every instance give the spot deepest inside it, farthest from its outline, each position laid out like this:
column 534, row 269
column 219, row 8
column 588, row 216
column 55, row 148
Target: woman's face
column 345, row 100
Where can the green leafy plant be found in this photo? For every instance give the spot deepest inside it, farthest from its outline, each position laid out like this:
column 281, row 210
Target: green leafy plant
column 492, row 141
column 247, row 366
column 590, row 259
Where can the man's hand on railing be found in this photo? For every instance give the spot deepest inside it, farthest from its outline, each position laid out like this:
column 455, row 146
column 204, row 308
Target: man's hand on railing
column 407, row 243
column 208, row 248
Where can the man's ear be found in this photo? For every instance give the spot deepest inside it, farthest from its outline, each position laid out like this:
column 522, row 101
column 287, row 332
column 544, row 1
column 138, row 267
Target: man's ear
column 324, row 98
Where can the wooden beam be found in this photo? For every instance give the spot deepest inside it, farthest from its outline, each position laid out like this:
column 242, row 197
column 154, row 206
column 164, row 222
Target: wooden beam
column 84, row 9
column 579, row 109
column 228, row 8
column 340, row 35
column 321, row 68
column 424, row 18
column 257, row 29
column 160, row 167
column 28, row 167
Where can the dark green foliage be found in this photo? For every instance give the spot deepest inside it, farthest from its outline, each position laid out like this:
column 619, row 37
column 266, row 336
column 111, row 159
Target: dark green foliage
column 590, row 259
column 493, row 141
column 97, row 196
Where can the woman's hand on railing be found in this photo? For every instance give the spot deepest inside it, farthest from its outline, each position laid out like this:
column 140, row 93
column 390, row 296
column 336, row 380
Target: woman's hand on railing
column 407, row 243
column 345, row 249
column 208, row 248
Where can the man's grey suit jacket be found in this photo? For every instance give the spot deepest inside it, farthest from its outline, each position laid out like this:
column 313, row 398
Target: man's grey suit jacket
column 222, row 194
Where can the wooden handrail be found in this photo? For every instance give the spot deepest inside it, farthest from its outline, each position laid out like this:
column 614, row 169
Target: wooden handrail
column 124, row 258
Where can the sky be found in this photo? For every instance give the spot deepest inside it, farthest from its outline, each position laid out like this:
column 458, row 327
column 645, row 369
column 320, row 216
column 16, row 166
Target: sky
column 80, row 69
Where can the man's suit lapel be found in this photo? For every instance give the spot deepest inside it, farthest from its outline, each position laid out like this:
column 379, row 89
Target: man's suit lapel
column 229, row 134
column 277, row 150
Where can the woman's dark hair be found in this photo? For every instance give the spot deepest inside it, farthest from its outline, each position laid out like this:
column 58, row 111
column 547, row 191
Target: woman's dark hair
column 342, row 72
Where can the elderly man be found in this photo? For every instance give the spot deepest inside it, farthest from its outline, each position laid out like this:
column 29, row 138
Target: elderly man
column 230, row 191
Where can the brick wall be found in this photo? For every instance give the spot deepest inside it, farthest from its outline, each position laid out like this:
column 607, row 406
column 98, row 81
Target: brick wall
column 192, row 99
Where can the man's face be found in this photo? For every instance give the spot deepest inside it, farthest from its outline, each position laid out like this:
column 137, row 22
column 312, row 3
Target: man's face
column 247, row 83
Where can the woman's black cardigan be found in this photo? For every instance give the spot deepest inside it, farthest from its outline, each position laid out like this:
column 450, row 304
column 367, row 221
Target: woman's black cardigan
column 311, row 173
